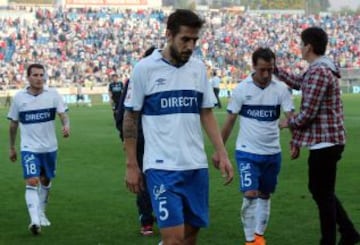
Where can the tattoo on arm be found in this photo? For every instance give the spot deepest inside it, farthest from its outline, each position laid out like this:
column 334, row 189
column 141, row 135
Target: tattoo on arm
column 65, row 121
column 130, row 124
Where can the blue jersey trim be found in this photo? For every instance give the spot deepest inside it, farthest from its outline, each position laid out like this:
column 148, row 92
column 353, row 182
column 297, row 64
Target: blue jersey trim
column 171, row 102
column 230, row 111
column 266, row 113
column 37, row 116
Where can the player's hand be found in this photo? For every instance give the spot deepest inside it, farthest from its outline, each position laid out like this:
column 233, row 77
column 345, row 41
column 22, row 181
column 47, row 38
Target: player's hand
column 283, row 123
column 133, row 178
column 66, row 131
column 222, row 162
column 12, row 154
column 216, row 160
column 294, row 152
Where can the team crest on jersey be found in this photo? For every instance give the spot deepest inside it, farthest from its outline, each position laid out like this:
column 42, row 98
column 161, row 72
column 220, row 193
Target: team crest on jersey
column 248, row 97
column 160, row 81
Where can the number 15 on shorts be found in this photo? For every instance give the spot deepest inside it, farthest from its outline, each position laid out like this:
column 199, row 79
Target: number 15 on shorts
column 246, row 179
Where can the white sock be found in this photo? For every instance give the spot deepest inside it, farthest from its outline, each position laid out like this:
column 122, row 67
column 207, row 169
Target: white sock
column 32, row 202
column 248, row 217
column 262, row 215
column 43, row 196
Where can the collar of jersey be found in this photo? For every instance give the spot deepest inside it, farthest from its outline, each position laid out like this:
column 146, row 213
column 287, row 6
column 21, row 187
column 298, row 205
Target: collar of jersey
column 45, row 89
column 157, row 56
column 250, row 79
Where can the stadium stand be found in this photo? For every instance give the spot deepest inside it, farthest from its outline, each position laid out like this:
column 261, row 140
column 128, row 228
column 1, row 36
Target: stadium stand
column 86, row 45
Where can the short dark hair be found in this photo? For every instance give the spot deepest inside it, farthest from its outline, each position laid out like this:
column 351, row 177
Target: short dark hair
column 183, row 17
column 317, row 38
column 38, row 66
column 263, row 53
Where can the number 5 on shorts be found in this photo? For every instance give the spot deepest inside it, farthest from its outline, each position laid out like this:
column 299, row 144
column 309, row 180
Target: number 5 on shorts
column 164, row 213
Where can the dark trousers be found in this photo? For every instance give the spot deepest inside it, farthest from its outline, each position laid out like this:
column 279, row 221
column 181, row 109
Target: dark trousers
column 115, row 111
column 216, row 92
column 322, row 178
column 143, row 200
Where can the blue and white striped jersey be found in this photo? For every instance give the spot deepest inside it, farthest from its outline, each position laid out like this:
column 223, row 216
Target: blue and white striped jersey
column 36, row 116
column 170, row 100
column 259, row 111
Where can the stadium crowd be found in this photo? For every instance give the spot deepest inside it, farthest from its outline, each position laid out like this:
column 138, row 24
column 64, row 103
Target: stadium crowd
column 86, row 45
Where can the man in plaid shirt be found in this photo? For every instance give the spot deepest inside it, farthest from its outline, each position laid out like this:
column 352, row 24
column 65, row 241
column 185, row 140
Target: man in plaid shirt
column 320, row 126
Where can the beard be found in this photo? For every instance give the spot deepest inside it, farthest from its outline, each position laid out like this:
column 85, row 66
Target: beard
column 179, row 58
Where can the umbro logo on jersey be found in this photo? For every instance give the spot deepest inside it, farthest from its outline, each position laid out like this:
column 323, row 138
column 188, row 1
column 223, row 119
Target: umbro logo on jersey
column 160, row 81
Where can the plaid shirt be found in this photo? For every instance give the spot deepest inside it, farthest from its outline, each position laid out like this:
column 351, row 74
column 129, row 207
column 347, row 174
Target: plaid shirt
column 321, row 118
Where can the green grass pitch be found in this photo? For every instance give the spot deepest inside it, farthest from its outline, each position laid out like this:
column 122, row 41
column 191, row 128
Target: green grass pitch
column 90, row 205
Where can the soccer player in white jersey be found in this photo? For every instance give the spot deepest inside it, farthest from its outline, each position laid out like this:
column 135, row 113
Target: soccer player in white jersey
column 171, row 90
column 257, row 100
column 34, row 109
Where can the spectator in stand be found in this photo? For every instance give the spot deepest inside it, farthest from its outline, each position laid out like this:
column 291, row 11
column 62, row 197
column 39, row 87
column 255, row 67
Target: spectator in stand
column 64, row 37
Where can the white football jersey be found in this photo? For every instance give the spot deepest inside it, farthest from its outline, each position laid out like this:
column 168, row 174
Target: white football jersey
column 259, row 111
column 36, row 116
column 170, row 100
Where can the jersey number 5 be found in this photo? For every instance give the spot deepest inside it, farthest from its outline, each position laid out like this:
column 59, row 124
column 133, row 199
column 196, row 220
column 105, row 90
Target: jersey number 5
column 164, row 213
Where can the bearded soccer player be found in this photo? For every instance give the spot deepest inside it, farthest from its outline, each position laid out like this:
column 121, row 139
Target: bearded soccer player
column 171, row 90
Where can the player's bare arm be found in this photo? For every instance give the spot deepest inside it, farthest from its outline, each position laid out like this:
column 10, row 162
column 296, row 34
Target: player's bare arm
column 13, row 131
column 294, row 150
column 133, row 177
column 228, row 126
column 65, row 122
column 220, row 158
column 284, row 122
